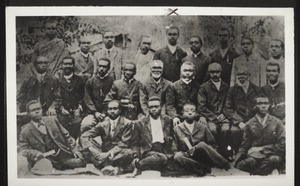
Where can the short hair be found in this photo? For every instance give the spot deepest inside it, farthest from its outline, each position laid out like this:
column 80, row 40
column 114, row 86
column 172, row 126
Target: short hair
column 199, row 38
column 68, row 57
column 188, row 63
column 107, row 32
column 214, row 64
column 105, row 59
column 117, row 101
column 31, row 103
column 172, row 27
column 261, row 95
column 189, row 103
column 154, row 98
column 249, row 38
column 273, row 64
column 35, row 61
column 134, row 66
column 279, row 40
column 142, row 36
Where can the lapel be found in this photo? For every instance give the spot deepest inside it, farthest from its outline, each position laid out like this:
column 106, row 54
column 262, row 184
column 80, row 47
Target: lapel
column 196, row 128
column 67, row 86
column 35, row 133
column 119, row 126
column 164, row 127
column 82, row 62
column 147, row 125
column 114, row 53
column 184, row 129
column 106, row 126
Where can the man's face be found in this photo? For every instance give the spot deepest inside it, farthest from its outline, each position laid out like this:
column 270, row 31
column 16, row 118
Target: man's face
column 103, row 68
column 109, row 39
column 113, row 110
column 156, row 70
column 247, row 46
column 187, row 72
column 262, row 105
column 215, row 75
column 195, row 45
column 145, row 45
column 172, row 36
column 68, row 66
column 35, row 111
column 85, row 45
column 128, row 71
column 223, row 37
column 189, row 112
column 272, row 73
column 275, row 49
column 41, row 65
column 154, row 108
column 242, row 76
column 51, row 29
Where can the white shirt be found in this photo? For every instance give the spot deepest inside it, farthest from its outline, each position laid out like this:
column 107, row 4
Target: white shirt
column 156, row 130
column 40, row 77
column 217, row 84
column 245, row 86
column 40, row 126
column 262, row 121
column 224, row 51
column 186, row 81
column 113, row 125
column 190, row 127
column 196, row 55
column 172, row 48
column 68, row 78
column 84, row 55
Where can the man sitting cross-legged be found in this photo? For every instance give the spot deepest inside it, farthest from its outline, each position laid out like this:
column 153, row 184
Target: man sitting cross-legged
column 154, row 138
column 107, row 144
column 196, row 145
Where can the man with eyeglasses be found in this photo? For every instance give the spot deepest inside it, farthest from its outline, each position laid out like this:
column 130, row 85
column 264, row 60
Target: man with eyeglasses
column 224, row 54
column 253, row 61
column 171, row 55
column 50, row 47
column 200, row 59
column 143, row 58
column 39, row 86
column 116, row 55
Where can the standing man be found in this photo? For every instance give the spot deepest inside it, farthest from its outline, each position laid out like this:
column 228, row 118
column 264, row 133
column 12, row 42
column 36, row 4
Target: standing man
column 39, row 86
column 224, row 55
column 211, row 103
column 171, row 55
column 85, row 63
column 199, row 59
column 114, row 136
column 155, row 140
column 155, row 85
column 275, row 91
column 181, row 92
column 69, row 95
column 127, row 91
column 196, row 145
column 240, row 103
column 44, row 134
column 143, row 58
column 276, row 50
column 116, row 55
column 95, row 92
column 253, row 61
column 51, row 47
column 263, row 147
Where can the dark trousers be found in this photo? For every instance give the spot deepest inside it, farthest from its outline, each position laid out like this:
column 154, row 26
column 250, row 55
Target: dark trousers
column 71, row 124
column 152, row 160
column 263, row 166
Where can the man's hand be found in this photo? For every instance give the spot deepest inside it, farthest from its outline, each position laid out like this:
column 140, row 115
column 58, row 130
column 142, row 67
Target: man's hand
column 77, row 112
column 64, row 111
column 51, row 111
column 95, row 153
column 176, row 121
column 221, row 118
column 99, row 116
column 38, row 156
column 130, row 106
column 254, row 149
column 203, row 120
column 191, row 151
column 242, row 125
column 78, row 154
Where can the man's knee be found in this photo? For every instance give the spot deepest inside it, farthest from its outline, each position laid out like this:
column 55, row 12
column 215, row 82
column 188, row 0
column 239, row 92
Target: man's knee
column 274, row 159
column 212, row 127
column 246, row 164
column 179, row 156
column 225, row 128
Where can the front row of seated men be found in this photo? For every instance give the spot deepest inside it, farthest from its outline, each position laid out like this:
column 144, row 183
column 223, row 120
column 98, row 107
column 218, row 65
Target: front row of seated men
column 151, row 142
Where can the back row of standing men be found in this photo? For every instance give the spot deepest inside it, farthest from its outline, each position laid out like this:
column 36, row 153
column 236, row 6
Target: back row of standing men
column 172, row 75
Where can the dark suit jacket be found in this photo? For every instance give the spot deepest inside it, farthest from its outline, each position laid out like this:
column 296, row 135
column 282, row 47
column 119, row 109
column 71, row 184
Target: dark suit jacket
column 200, row 134
column 143, row 135
column 31, row 142
column 113, row 144
column 88, row 67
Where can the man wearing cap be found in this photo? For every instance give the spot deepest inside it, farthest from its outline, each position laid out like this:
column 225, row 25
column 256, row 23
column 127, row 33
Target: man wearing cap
column 127, row 91
column 171, row 55
column 143, row 58
column 85, row 63
column 211, row 103
column 155, row 85
column 114, row 54
column 45, row 134
column 199, row 59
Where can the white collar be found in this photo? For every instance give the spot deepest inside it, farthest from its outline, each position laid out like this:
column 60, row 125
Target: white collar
column 217, row 84
column 115, row 121
column 281, row 59
column 40, row 77
column 186, row 81
column 157, row 82
column 67, row 78
column 130, row 81
column 103, row 76
column 224, row 51
column 273, row 85
column 172, row 48
column 84, row 55
column 245, row 86
column 190, row 126
column 196, row 55
column 262, row 121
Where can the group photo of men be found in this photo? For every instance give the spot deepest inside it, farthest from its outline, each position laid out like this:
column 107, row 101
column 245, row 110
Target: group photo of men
column 189, row 96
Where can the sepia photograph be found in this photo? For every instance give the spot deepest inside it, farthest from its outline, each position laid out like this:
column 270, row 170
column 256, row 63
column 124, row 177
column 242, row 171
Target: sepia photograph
column 150, row 93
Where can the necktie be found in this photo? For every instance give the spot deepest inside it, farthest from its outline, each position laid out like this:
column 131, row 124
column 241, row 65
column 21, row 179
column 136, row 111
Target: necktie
column 108, row 53
column 113, row 128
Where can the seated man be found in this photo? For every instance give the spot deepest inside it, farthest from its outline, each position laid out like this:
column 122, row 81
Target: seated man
column 44, row 134
column 263, row 146
column 155, row 139
column 69, row 96
column 127, row 90
column 196, row 145
column 107, row 144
